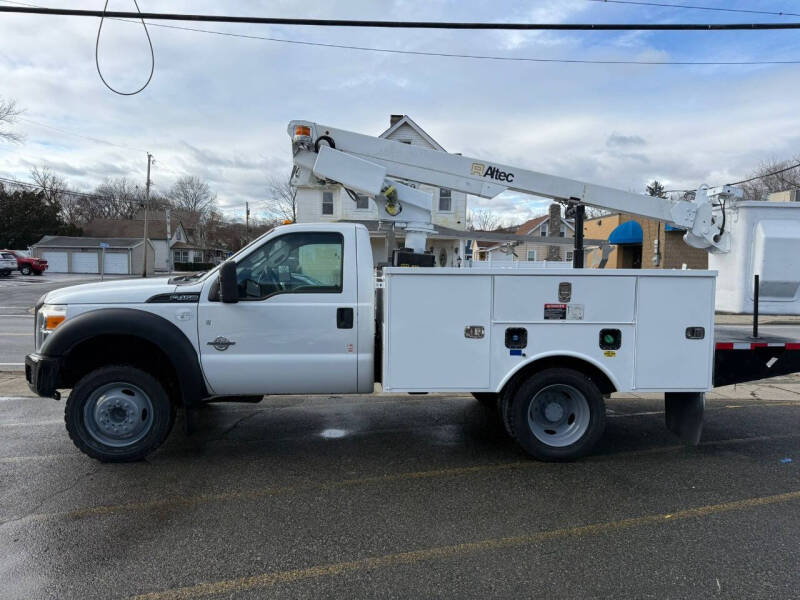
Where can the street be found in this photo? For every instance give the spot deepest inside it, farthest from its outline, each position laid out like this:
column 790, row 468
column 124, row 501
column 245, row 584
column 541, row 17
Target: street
column 18, row 295
column 405, row 496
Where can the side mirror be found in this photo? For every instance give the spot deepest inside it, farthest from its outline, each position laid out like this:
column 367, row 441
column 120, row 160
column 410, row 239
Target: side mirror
column 228, row 287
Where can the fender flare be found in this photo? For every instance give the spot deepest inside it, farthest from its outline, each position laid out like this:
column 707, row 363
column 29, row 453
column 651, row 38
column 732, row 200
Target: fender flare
column 555, row 353
column 137, row 323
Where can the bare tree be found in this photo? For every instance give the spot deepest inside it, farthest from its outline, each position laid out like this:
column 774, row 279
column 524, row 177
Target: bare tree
column 482, row 220
column 8, row 116
column 56, row 190
column 769, row 181
column 282, row 198
column 192, row 195
column 116, row 198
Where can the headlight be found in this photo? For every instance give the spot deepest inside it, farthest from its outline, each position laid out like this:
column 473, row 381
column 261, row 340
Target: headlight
column 48, row 318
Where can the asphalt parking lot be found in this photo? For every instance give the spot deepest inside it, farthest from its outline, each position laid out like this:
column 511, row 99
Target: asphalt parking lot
column 405, row 496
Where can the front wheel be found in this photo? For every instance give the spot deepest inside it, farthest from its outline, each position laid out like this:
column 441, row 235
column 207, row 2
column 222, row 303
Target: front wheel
column 118, row 414
column 25, row 270
column 558, row 415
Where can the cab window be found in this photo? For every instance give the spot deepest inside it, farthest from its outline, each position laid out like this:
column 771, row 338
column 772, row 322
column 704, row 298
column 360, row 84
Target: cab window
column 295, row 263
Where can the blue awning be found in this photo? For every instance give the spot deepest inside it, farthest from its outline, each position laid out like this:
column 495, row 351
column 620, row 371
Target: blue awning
column 668, row 227
column 630, row 232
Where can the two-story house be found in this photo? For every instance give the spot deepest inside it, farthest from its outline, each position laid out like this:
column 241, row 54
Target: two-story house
column 317, row 204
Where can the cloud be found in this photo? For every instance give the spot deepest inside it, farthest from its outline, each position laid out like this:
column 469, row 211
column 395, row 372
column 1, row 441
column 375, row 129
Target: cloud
column 218, row 106
column 616, row 140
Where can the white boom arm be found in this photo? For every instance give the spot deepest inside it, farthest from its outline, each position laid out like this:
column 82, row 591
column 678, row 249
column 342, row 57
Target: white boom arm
column 373, row 165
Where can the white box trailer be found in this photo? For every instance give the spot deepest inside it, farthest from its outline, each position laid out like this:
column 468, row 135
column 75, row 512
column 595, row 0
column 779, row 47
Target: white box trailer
column 472, row 330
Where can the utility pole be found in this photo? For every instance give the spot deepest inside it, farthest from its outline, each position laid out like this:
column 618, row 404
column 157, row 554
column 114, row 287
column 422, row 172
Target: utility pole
column 146, row 206
column 247, row 222
column 169, row 239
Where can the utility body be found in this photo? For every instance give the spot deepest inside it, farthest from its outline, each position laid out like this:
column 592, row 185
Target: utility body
column 302, row 310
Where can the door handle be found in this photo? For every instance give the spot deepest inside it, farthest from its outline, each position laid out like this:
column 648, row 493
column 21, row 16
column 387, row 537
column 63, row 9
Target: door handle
column 344, row 318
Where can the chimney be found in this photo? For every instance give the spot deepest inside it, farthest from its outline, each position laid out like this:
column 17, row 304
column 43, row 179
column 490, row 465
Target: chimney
column 555, row 220
column 394, row 119
column 553, row 228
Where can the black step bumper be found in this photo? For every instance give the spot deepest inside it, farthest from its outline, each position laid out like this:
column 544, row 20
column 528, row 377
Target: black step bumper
column 42, row 374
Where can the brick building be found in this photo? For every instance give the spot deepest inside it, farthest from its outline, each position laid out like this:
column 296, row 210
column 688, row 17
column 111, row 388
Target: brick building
column 633, row 240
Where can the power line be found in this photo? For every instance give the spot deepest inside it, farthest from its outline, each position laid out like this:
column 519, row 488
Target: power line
column 403, row 24
column 778, row 172
column 695, row 7
column 97, row 58
column 86, row 137
column 472, row 56
column 41, row 187
column 491, row 57
column 763, row 176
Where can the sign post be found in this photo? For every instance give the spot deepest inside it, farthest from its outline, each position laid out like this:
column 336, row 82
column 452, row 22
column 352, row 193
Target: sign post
column 103, row 246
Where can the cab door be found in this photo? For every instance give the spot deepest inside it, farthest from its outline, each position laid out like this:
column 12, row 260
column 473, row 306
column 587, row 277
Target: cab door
column 293, row 330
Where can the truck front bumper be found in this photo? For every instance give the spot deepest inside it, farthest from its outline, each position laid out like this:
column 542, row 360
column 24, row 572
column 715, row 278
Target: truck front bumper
column 42, row 374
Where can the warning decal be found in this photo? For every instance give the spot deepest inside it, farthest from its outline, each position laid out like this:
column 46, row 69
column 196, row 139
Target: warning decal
column 555, row 311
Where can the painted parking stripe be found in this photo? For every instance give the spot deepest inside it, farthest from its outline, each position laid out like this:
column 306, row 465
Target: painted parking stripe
column 265, row 580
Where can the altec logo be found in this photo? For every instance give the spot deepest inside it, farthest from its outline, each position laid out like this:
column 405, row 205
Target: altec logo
column 491, row 172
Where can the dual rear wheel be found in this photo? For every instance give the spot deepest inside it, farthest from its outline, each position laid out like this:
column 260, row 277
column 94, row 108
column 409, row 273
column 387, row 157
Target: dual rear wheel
column 555, row 414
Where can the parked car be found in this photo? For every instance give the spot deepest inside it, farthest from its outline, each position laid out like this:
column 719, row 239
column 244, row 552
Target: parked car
column 8, row 263
column 28, row 264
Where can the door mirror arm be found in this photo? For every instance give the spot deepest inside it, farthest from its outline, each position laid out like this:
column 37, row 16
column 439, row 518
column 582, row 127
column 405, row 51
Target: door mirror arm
column 228, row 286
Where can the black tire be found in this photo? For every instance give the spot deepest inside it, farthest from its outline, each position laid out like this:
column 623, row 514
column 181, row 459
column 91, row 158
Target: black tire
column 487, row 399
column 160, row 424
column 582, row 395
column 25, row 270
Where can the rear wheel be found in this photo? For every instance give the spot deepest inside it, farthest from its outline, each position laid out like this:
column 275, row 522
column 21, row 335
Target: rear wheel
column 118, row 414
column 557, row 414
column 25, row 270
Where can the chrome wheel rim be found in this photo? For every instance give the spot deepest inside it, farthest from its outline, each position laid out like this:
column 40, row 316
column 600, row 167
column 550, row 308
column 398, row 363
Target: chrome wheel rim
column 559, row 415
column 118, row 414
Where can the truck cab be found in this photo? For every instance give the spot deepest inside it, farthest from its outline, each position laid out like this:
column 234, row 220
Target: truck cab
column 303, row 318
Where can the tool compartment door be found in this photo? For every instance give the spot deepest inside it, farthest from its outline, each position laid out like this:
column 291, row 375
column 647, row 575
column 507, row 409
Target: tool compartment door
column 425, row 343
column 665, row 358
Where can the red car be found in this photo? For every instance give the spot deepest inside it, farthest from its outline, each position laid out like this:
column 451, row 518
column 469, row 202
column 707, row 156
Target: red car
column 29, row 264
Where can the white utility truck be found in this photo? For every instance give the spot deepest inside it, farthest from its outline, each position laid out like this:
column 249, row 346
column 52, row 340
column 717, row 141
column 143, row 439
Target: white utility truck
column 298, row 311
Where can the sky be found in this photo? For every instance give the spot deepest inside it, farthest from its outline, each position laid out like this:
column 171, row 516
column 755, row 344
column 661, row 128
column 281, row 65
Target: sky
column 218, row 106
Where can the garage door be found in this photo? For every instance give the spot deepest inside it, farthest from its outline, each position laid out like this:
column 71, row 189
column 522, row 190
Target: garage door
column 84, row 262
column 116, row 262
column 56, row 261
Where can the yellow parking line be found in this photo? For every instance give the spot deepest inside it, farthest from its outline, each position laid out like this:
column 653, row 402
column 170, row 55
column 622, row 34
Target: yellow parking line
column 264, row 580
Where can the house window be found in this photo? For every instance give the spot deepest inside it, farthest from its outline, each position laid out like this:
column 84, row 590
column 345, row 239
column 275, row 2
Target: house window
column 531, row 255
column 181, row 256
column 362, row 202
column 178, row 236
column 445, row 200
column 570, row 254
column 563, row 232
column 543, row 231
column 198, row 257
column 327, row 203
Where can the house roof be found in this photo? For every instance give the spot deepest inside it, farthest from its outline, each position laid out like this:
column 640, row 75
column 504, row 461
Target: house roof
column 528, row 226
column 380, row 227
column 62, row 241
column 406, row 120
column 129, row 228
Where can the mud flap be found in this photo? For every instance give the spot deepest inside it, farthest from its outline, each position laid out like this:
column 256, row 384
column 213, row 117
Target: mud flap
column 684, row 415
